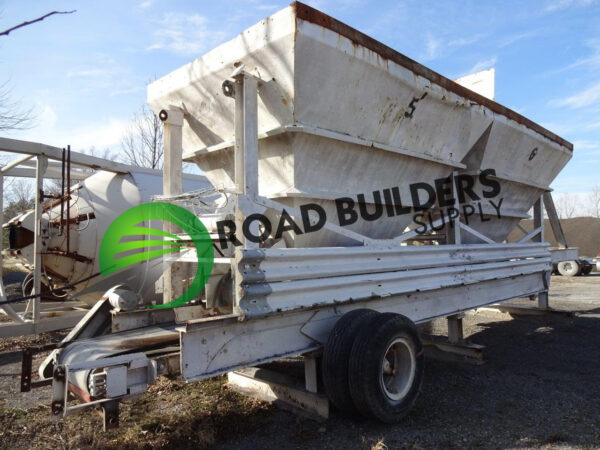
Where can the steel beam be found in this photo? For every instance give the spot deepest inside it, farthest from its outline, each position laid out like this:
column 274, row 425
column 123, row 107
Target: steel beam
column 280, row 389
column 51, row 172
column 172, row 185
column 455, row 328
column 212, row 347
column 55, row 153
column 554, row 220
column 15, row 163
column 59, row 321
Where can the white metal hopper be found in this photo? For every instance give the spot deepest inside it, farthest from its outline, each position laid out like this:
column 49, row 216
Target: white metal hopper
column 340, row 114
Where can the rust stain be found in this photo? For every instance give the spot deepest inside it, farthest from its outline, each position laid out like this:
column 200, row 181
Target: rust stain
column 79, row 393
column 386, row 113
column 399, row 117
column 305, row 12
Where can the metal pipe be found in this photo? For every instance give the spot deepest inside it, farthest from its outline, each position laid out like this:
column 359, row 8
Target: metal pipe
column 15, row 163
column 56, row 164
column 62, row 193
column 68, row 197
column 42, row 164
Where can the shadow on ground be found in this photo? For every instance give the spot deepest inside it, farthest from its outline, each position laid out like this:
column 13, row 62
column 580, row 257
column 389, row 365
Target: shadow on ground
column 539, row 387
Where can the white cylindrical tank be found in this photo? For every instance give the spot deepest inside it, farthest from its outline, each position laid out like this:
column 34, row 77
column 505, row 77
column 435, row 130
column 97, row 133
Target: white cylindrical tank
column 95, row 202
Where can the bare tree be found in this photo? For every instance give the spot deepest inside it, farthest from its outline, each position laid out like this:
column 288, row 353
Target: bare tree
column 20, row 198
column 21, row 190
column 566, row 206
column 142, row 144
column 29, row 22
column 105, row 154
column 595, row 201
column 12, row 115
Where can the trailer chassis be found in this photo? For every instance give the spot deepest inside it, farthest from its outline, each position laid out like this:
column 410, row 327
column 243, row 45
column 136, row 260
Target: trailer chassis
column 286, row 301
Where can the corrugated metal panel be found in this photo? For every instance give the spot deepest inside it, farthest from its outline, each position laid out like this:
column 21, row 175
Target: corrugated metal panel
column 288, row 279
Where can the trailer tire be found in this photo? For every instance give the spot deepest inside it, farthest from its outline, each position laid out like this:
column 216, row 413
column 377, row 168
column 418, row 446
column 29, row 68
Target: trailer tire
column 336, row 358
column 568, row 268
column 386, row 367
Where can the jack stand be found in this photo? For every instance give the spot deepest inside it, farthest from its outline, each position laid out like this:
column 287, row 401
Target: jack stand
column 455, row 328
column 543, row 302
column 283, row 390
column 455, row 348
column 110, row 415
column 311, row 376
column 27, row 364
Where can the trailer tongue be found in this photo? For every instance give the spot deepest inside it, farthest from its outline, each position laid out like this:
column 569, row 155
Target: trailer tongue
column 355, row 184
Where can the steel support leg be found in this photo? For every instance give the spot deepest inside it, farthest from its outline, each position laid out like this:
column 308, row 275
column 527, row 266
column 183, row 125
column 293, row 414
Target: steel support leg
column 455, row 328
column 543, row 300
column 172, row 185
column 110, row 415
column 310, row 373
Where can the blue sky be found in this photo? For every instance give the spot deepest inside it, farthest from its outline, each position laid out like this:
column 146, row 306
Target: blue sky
column 85, row 73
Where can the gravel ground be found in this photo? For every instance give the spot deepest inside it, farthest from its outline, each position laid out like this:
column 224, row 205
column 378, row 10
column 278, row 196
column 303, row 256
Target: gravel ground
column 539, row 387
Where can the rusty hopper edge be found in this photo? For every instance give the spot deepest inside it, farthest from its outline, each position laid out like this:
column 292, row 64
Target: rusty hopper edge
column 308, row 14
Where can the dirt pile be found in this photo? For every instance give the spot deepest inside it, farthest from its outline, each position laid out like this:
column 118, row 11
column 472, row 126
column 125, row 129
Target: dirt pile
column 581, row 232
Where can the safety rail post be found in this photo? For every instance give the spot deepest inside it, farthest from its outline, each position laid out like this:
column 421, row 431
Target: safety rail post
column 538, row 223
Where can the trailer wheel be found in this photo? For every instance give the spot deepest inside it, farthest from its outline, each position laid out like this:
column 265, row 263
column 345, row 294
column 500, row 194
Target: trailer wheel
column 568, row 268
column 386, row 368
column 336, row 357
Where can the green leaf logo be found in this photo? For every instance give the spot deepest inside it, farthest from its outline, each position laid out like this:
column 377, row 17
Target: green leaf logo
column 116, row 253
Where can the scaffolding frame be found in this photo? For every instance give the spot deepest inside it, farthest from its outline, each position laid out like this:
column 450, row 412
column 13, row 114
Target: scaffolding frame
column 41, row 162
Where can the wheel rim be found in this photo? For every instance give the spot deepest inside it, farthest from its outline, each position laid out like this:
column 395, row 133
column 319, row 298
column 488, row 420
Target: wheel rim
column 568, row 266
column 398, row 369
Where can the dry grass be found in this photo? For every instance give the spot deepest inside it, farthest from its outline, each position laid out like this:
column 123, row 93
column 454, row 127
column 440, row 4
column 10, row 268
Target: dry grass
column 19, row 342
column 171, row 414
column 380, row 445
